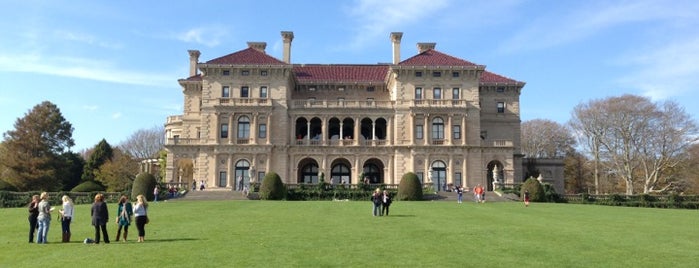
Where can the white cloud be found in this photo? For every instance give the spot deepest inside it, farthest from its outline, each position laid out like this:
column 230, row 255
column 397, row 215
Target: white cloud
column 80, row 68
column 575, row 23
column 209, row 36
column 378, row 18
column 85, row 38
column 116, row 115
column 665, row 72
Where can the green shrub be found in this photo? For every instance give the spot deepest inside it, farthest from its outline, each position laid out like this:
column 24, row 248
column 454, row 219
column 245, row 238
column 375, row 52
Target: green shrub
column 536, row 190
column 143, row 184
column 88, row 186
column 409, row 188
column 272, row 187
column 6, row 186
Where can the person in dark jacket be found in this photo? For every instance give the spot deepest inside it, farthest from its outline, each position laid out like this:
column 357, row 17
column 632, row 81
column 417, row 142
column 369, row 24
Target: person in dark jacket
column 100, row 217
column 386, row 203
column 33, row 215
column 376, row 200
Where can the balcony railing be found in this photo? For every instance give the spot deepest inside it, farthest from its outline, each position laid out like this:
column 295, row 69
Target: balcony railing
column 244, row 102
column 501, row 143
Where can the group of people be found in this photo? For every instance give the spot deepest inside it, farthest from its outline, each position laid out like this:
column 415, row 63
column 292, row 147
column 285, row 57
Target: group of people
column 382, row 202
column 40, row 217
column 478, row 193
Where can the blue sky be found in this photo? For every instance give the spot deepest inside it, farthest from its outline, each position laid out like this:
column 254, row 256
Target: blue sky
column 112, row 66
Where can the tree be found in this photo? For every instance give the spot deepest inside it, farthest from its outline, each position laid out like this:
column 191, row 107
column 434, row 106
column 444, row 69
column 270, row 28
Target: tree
column 638, row 139
column 101, row 153
column 542, row 138
column 71, row 171
column 118, row 173
column 34, row 148
column 145, row 143
column 576, row 170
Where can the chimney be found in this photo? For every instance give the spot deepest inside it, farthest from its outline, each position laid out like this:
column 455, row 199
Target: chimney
column 288, row 37
column 422, row 47
column 193, row 60
column 259, row 46
column 395, row 39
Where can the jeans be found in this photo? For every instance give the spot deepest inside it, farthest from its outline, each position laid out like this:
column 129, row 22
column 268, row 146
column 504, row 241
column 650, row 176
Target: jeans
column 43, row 230
column 377, row 209
column 65, row 225
column 461, row 198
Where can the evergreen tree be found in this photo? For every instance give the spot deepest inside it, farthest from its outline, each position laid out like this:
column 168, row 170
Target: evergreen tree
column 33, row 149
column 102, row 153
column 72, row 170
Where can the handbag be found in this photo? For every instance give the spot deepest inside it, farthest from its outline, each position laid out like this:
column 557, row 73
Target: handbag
column 147, row 219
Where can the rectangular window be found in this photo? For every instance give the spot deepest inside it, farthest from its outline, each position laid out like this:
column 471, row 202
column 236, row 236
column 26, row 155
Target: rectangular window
column 500, row 89
column 420, row 176
column 457, row 131
column 457, row 179
column 454, row 74
column 226, row 92
column 245, row 92
column 418, row 132
column 245, row 72
column 222, row 178
column 263, row 92
column 224, row 131
column 456, row 93
column 501, row 107
column 262, row 128
column 260, row 176
column 437, row 93
column 263, row 73
column 436, row 74
column 226, row 72
column 418, row 74
column 370, row 89
column 418, row 93
column 243, row 130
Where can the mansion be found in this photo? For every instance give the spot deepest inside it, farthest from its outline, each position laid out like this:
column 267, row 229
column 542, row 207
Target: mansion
column 248, row 113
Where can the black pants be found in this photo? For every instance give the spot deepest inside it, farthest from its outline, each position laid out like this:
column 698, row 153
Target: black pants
column 141, row 225
column 33, row 224
column 104, row 233
column 384, row 209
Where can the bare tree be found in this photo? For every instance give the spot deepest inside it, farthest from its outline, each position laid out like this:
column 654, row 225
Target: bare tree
column 634, row 136
column 145, row 143
column 542, row 138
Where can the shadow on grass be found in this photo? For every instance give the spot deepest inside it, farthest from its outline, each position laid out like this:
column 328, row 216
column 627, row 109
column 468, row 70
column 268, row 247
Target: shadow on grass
column 398, row 216
column 155, row 240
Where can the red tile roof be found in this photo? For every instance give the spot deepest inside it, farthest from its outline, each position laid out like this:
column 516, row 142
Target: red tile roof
column 432, row 57
column 247, row 56
column 312, row 73
column 488, row 77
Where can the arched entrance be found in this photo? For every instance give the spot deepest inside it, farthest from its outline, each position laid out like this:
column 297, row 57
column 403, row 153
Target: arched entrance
column 242, row 174
column 340, row 172
column 438, row 174
column 307, row 171
column 373, row 170
column 494, row 173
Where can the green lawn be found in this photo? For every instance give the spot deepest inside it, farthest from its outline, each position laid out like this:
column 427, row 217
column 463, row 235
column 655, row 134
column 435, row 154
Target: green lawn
column 344, row 234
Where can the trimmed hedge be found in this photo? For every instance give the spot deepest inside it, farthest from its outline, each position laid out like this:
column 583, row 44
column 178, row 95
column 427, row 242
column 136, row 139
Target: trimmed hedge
column 88, row 186
column 144, row 184
column 410, row 188
column 272, row 187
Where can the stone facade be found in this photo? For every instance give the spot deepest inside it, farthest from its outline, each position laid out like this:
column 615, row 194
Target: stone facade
column 247, row 113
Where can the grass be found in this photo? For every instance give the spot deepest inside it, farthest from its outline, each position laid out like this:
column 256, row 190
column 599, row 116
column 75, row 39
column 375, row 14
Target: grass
column 344, row 234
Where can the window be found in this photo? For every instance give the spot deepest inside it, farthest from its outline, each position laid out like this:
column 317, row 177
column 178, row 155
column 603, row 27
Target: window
column 243, row 127
column 438, row 128
column 436, row 74
column 457, row 131
column 224, row 131
column 262, row 131
column 437, row 93
column 418, row 93
column 454, row 74
column 222, row 178
column 226, row 92
column 245, row 72
column 226, row 72
column 418, row 132
column 370, row 89
column 263, row 92
column 501, row 107
column 418, row 74
column 263, row 73
column 500, row 89
column 455, row 93
column 245, row 92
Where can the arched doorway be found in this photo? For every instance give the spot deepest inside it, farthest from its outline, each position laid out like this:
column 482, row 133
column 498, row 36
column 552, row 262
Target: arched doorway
column 307, row 171
column 373, row 170
column 438, row 174
column 242, row 174
column 341, row 172
column 494, row 173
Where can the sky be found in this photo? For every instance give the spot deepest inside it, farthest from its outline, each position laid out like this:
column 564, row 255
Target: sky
column 111, row 67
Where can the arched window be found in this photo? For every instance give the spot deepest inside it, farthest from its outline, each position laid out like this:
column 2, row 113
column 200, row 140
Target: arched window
column 309, row 173
column 438, row 175
column 340, row 173
column 242, row 174
column 438, row 128
column 243, row 127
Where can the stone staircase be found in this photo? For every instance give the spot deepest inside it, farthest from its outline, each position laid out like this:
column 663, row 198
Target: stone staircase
column 468, row 197
column 213, row 194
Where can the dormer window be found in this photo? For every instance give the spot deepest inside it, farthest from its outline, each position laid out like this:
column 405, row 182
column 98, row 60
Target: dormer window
column 418, row 74
column 245, row 72
column 436, row 74
column 226, row 72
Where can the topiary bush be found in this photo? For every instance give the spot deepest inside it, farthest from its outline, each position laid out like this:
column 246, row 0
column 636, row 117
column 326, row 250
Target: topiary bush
column 272, row 187
column 88, row 186
column 536, row 190
column 410, row 188
column 143, row 184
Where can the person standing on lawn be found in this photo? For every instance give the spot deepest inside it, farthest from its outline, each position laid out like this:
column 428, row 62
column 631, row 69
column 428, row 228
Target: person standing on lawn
column 100, row 217
column 44, row 218
column 123, row 220
column 66, row 217
column 33, row 215
column 140, row 210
